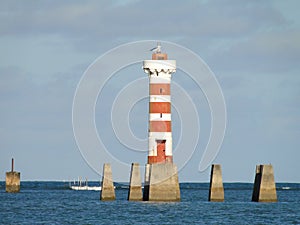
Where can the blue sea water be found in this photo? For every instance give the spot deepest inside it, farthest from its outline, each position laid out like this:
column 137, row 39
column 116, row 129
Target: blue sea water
column 54, row 203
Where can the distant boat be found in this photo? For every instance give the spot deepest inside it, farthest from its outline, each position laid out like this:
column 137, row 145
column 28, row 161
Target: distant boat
column 83, row 186
column 86, row 188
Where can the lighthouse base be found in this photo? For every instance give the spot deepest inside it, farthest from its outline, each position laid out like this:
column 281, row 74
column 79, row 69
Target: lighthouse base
column 161, row 182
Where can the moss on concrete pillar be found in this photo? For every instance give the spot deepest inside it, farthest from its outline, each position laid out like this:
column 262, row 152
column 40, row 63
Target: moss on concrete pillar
column 216, row 189
column 107, row 188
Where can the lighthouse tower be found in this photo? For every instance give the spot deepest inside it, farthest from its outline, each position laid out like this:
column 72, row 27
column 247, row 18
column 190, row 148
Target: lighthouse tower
column 161, row 179
column 160, row 70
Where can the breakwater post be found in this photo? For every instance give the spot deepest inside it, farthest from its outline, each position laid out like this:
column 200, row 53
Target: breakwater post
column 264, row 189
column 135, row 186
column 216, row 189
column 12, row 180
column 107, row 188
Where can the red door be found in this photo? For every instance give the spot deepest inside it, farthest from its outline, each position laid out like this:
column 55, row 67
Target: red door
column 161, row 151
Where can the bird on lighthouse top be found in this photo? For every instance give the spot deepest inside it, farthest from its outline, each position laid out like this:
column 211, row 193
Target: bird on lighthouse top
column 156, row 49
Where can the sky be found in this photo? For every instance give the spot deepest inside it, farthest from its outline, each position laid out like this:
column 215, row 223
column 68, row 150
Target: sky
column 252, row 48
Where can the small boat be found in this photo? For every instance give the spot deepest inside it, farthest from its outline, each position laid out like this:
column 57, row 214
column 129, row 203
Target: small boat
column 83, row 186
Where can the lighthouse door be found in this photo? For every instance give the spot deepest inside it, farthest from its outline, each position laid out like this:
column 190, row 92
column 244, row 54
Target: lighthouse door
column 161, row 151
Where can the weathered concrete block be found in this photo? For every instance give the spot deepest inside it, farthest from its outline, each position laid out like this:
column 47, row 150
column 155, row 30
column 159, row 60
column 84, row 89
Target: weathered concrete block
column 163, row 182
column 107, row 188
column 135, row 186
column 264, row 189
column 216, row 189
column 12, row 182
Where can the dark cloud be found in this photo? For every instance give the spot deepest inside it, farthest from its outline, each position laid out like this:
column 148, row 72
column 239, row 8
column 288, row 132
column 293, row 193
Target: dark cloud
column 139, row 19
column 216, row 29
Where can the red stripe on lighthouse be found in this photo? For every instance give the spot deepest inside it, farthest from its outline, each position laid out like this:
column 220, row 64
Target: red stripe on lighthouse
column 160, row 126
column 159, row 56
column 160, row 107
column 154, row 159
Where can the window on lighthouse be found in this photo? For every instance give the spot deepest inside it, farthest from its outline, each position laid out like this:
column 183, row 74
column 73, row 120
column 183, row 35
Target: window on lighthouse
column 160, row 90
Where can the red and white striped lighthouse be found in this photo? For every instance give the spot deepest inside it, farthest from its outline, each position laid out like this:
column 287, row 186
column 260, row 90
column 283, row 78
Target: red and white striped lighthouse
column 160, row 70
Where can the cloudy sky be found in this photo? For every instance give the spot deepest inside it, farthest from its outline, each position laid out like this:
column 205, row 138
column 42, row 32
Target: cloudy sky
column 252, row 47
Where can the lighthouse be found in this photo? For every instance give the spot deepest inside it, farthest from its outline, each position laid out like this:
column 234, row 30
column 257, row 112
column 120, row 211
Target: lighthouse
column 160, row 71
column 161, row 179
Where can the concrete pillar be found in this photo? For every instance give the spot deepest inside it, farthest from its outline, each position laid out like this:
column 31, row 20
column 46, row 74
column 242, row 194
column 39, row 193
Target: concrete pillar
column 107, row 188
column 216, row 189
column 264, row 189
column 12, row 180
column 135, row 186
column 163, row 182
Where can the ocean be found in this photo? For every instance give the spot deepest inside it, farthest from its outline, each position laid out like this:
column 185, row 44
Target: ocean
column 55, row 203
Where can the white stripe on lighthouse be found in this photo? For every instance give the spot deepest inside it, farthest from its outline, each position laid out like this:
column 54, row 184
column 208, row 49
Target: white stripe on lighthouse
column 160, row 116
column 160, row 98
